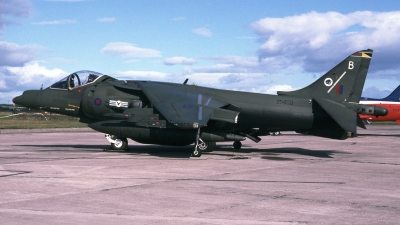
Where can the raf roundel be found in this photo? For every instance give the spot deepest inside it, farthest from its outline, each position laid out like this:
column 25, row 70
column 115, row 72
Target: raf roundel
column 97, row 101
column 328, row 82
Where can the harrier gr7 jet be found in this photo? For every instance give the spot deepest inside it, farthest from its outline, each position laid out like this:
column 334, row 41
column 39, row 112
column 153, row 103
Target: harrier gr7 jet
column 180, row 114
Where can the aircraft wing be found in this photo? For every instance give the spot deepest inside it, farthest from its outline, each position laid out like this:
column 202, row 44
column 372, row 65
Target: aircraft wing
column 184, row 106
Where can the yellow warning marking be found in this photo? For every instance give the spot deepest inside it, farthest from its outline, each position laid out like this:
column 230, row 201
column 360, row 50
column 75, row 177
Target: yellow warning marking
column 365, row 55
column 73, row 106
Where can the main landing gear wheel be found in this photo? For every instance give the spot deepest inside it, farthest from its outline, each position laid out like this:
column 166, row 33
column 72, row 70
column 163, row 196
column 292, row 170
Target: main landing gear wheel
column 207, row 146
column 237, row 144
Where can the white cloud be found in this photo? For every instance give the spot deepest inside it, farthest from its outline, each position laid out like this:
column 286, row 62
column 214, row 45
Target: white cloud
column 238, row 61
column 318, row 41
column 311, row 30
column 15, row 8
column 6, row 97
column 217, row 68
column 203, row 31
column 106, row 20
column 15, row 80
column 274, row 89
column 140, row 75
column 202, row 79
column 250, row 82
column 239, row 64
column 374, row 92
column 32, row 73
column 3, row 85
column 129, row 50
column 62, row 60
column 302, row 48
column 179, row 60
column 55, row 22
column 16, row 55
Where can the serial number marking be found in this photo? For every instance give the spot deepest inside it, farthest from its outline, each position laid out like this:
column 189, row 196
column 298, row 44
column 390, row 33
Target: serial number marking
column 284, row 102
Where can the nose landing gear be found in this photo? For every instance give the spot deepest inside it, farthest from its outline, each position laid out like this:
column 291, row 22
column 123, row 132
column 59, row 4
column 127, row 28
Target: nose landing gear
column 117, row 143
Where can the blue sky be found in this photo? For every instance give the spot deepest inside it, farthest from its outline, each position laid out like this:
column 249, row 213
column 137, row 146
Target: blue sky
column 257, row 46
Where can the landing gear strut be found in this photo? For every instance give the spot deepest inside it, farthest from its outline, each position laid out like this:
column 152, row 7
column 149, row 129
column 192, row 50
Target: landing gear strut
column 117, row 143
column 197, row 151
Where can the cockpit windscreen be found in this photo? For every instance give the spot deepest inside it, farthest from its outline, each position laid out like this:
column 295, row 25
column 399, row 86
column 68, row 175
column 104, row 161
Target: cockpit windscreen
column 76, row 79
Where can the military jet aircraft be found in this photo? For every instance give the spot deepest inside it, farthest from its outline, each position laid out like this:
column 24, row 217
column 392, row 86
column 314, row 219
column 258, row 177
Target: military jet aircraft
column 181, row 114
column 391, row 103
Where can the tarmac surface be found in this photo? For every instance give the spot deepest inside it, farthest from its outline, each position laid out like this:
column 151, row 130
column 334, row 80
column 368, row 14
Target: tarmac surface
column 63, row 177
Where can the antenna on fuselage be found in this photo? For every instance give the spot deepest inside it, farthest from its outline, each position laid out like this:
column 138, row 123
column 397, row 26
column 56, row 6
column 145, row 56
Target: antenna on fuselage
column 187, row 79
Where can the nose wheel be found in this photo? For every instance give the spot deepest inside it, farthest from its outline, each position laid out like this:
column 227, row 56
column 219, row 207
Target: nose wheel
column 117, row 143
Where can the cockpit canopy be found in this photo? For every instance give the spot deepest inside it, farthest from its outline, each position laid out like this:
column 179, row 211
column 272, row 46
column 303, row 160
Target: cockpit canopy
column 76, row 79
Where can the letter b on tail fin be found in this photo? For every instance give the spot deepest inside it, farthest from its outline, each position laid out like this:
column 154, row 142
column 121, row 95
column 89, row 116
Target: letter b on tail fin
column 342, row 83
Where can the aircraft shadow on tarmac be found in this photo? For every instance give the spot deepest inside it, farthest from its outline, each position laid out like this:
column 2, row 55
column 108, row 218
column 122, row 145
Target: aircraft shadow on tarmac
column 378, row 135
column 155, row 150
column 277, row 153
column 185, row 151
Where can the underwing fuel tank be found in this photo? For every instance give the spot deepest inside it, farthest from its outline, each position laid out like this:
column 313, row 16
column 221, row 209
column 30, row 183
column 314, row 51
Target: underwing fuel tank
column 145, row 135
column 151, row 135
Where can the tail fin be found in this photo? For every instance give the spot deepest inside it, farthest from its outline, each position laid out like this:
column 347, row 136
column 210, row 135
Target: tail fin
column 394, row 96
column 343, row 83
column 332, row 92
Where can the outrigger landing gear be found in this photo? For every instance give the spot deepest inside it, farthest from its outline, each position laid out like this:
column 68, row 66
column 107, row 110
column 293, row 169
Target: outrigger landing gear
column 117, row 143
column 237, row 144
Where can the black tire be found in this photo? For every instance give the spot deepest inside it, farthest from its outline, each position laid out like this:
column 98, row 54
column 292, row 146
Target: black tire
column 212, row 146
column 237, row 144
column 196, row 153
column 207, row 146
column 277, row 133
column 120, row 144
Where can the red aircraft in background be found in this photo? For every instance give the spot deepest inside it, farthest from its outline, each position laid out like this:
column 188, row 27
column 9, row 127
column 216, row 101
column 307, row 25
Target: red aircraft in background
column 391, row 103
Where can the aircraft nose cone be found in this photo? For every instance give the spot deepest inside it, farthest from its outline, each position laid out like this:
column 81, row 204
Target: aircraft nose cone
column 15, row 100
column 29, row 99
